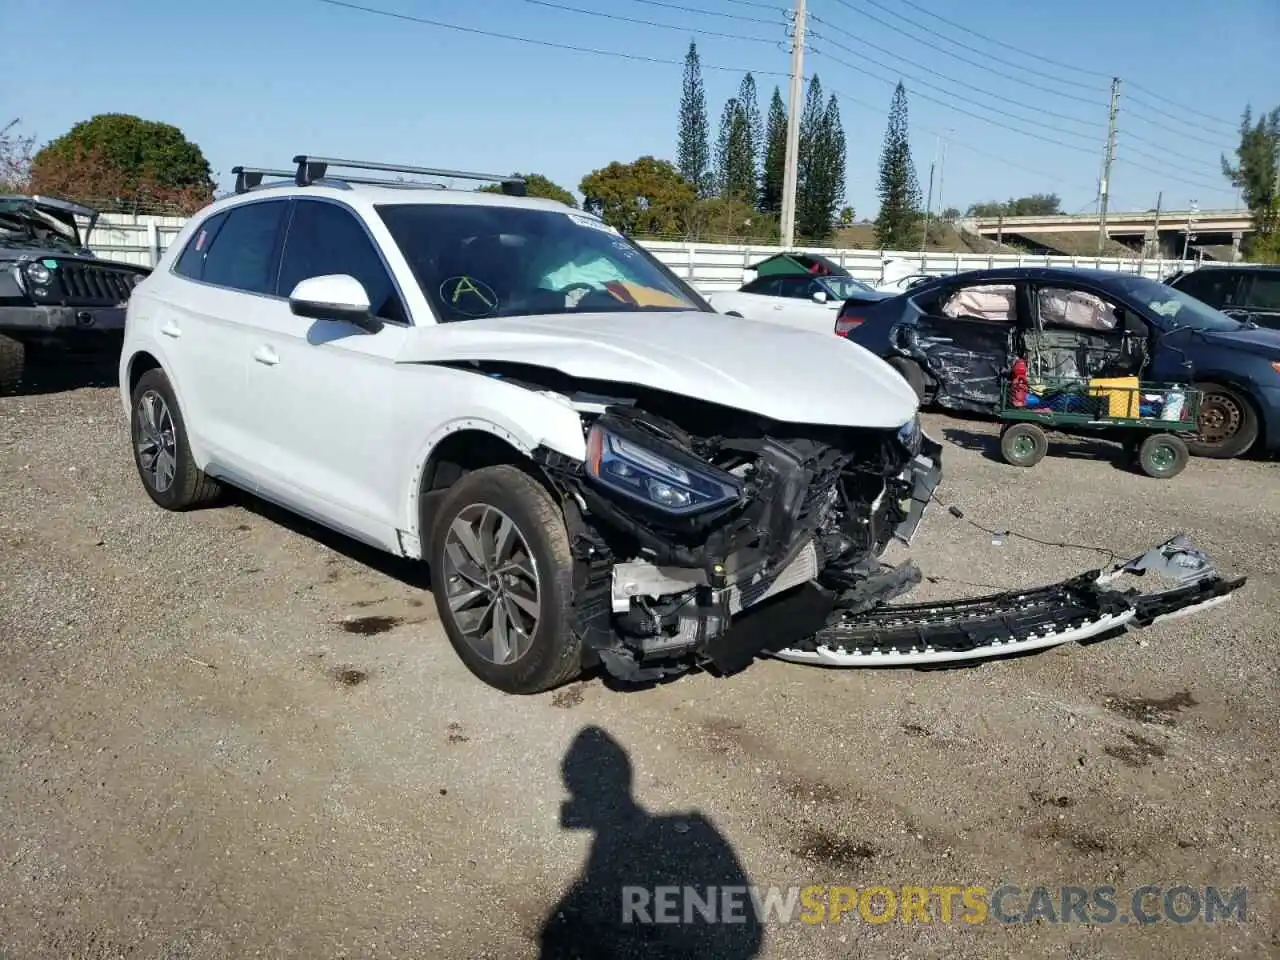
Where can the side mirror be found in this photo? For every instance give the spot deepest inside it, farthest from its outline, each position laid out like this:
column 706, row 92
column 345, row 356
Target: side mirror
column 819, row 296
column 335, row 296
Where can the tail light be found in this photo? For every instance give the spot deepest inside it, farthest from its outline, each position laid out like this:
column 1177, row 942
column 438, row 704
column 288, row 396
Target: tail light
column 845, row 323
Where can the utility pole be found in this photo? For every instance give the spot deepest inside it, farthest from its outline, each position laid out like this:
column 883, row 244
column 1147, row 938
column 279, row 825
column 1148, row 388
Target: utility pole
column 942, row 170
column 928, row 209
column 1108, row 157
column 793, row 129
column 1155, row 232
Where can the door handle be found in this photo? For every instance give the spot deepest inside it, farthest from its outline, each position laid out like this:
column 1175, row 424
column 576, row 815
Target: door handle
column 170, row 329
column 266, row 355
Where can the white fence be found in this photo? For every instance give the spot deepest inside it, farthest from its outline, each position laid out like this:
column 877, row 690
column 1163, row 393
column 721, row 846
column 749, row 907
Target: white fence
column 709, row 266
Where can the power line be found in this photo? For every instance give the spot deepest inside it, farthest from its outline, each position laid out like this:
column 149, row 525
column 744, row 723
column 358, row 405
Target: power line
column 1217, row 145
column 1001, row 43
column 651, row 23
column 1171, row 153
column 757, row 3
column 717, row 13
column 995, row 157
column 477, row 31
column 1169, row 176
column 1055, row 63
column 1093, row 125
column 1150, row 93
column 1166, row 113
column 983, row 66
column 949, row 106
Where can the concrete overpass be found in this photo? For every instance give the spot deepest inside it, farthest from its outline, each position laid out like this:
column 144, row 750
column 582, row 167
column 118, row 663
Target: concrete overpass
column 1162, row 238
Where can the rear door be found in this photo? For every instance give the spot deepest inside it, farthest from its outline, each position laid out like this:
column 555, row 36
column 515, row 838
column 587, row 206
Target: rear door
column 965, row 339
column 1261, row 297
column 230, row 265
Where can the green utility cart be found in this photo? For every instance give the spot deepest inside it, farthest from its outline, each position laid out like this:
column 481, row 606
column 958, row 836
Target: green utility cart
column 1148, row 419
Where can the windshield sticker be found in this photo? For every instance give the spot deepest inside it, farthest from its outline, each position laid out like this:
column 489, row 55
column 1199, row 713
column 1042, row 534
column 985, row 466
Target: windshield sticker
column 470, row 297
column 591, row 222
column 200, row 240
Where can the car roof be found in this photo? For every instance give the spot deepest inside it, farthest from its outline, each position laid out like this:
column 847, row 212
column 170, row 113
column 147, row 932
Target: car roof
column 1098, row 278
column 368, row 196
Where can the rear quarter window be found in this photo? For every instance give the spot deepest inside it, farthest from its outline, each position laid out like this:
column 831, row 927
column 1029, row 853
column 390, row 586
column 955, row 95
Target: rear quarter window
column 191, row 261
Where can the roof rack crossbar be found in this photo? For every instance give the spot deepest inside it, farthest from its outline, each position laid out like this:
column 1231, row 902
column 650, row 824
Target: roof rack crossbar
column 311, row 169
column 249, row 178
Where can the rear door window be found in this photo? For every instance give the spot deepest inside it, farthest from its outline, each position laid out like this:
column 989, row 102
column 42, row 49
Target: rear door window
column 244, row 254
column 1218, row 288
column 191, row 263
column 1262, row 292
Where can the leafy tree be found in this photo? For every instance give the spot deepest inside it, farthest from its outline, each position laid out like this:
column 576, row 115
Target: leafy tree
column 1035, row 205
column 820, row 167
column 897, row 224
column 951, row 213
column 775, row 156
column 719, row 218
column 645, row 197
column 536, row 185
column 1255, row 174
column 15, row 158
column 120, row 158
column 846, row 216
column 735, row 173
column 693, row 152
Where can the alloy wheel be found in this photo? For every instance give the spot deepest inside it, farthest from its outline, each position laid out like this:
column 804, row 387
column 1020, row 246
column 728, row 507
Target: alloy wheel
column 155, row 441
column 491, row 580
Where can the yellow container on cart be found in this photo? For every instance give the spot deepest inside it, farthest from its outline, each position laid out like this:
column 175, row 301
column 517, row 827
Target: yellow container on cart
column 1124, row 397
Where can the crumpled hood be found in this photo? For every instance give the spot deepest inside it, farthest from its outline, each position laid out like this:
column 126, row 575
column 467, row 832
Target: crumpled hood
column 1262, row 341
column 777, row 372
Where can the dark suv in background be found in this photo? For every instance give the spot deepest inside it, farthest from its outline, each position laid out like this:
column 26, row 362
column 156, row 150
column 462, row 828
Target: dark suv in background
column 1239, row 290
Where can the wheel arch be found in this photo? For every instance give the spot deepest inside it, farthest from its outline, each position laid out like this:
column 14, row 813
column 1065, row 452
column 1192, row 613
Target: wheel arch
column 142, row 361
column 454, row 450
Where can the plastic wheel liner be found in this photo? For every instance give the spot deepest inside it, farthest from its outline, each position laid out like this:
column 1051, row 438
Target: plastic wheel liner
column 1091, row 606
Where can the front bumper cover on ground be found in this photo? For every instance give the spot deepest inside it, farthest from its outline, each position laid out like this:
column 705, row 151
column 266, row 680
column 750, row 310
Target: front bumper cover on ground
column 1086, row 607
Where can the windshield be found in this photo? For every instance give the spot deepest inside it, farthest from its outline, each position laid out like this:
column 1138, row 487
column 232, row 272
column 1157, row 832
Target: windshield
column 1180, row 309
column 842, row 288
column 479, row 260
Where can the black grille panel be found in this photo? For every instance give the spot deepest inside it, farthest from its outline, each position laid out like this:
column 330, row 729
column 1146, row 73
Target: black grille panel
column 93, row 285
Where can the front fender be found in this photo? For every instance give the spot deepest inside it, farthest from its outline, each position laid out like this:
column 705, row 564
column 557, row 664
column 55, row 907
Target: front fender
column 527, row 421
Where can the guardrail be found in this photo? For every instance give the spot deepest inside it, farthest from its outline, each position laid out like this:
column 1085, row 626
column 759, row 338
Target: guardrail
column 141, row 239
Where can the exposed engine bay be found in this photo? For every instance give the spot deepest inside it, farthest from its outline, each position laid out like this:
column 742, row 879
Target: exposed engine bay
column 685, row 515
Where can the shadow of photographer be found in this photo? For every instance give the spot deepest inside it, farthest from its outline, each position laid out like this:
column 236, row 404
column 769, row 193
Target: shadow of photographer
column 615, row 907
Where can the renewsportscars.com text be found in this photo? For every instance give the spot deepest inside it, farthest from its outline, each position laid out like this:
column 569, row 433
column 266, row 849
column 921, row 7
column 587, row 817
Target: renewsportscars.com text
column 1007, row 904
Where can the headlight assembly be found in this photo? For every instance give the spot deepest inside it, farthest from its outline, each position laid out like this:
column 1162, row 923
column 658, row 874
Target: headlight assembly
column 37, row 273
column 909, row 435
column 629, row 469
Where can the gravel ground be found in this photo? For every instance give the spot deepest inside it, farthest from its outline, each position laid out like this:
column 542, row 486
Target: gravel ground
column 229, row 734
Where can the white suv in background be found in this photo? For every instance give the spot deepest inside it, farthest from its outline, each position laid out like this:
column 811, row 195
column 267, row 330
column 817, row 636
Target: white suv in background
column 597, row 467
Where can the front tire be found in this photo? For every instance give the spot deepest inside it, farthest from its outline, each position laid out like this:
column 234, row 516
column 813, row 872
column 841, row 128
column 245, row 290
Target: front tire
column 12, row 361
column 502, row 577
column 1227, row 426
column 161, row 450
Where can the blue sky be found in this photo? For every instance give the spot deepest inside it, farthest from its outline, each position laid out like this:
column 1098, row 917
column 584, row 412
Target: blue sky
column 255, row 81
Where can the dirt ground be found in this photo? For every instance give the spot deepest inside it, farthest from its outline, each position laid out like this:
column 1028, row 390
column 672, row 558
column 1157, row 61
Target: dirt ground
column 226, row 734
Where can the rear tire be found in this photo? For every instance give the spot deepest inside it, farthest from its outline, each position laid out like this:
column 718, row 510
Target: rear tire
column 911, row 372
column 161, row 450
column 502, row 577
column 1023, row 444
column 1163, row 456
column 1228, row 424
column 12, row 362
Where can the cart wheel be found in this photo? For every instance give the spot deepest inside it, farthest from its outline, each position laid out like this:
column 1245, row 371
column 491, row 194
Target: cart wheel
column 1163, row 456
column 1023, row 444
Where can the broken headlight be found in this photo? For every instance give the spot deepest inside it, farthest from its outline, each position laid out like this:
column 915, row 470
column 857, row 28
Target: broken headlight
column 632, row 470
column 910, row 435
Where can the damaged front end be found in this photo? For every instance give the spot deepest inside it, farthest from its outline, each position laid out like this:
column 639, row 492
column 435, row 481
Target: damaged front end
column 707, row 541
column 725, row 537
